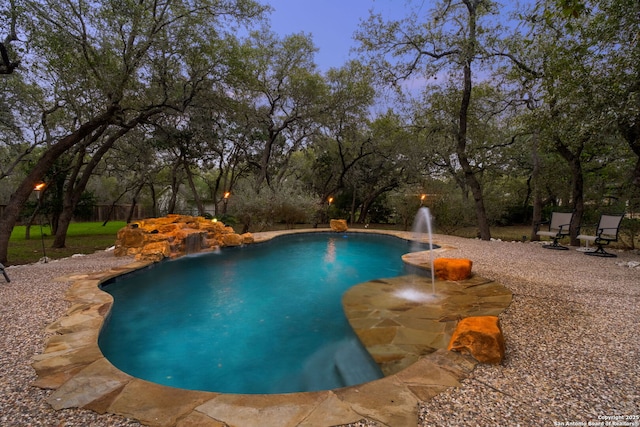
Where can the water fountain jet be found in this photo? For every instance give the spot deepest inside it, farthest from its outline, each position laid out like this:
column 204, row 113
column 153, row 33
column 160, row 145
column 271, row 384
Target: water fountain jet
column 421, row 226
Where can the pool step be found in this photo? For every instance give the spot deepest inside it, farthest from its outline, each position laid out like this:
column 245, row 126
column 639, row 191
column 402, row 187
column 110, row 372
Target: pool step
column 354, row 365
column 340, row 364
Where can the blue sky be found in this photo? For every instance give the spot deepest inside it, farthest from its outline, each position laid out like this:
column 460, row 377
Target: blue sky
column 331, row 23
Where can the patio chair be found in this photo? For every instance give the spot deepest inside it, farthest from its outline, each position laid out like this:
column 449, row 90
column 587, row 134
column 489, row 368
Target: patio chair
column 558, row 228
column 607, row 231
column 4, row 273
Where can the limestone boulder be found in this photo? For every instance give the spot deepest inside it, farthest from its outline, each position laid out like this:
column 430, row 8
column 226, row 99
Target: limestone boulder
column 338, row 225
column 131, row 237
column 154, row 239
column 481, row 337
column 232, row 239
column 211, row 226
column 452, row 268
column 168, row 228
column 154, row 251
column 121, row 251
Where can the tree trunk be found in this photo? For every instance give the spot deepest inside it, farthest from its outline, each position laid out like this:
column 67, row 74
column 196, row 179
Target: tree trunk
column 368, row 201
column 577, row 185
column 470, row 177
column 352, row 218
column 194, row 191
column 64, row 219
column 263, row 175
column 113, row 207
column 32, row 218
column 109, row 213
column 132, row 209
column 631, row 133
column 636, row 173
column 535, row 179
column 154, row 200
column 175, row 187
column 134, row 201
column 76, row 186
column 461, row 146
column 21, row 194
column 577, row 190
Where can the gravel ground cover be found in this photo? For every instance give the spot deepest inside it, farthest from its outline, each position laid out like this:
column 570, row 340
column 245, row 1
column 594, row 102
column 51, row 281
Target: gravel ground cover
column 573, row 353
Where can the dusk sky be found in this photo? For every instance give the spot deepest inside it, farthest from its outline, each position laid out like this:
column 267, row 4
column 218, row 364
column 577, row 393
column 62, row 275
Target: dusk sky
column 331, row 22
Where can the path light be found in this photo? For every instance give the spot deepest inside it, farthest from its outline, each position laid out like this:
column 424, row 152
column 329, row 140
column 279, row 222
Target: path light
column 38, row 189
column 225, row 200
column 423, row 197
column 329, row 201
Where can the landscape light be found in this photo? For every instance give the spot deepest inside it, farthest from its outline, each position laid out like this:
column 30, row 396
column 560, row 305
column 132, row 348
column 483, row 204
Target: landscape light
column 38, row 189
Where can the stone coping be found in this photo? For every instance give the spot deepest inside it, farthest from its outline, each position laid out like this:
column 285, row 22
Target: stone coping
column 405, row 331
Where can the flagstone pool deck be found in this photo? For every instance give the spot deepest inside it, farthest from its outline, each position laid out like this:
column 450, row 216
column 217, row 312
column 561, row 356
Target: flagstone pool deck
column 400, row 322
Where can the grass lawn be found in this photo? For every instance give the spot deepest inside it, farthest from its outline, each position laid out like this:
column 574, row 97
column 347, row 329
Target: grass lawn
column 82, row 238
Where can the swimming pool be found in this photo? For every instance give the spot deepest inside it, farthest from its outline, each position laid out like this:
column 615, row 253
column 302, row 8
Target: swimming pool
column 265, row 318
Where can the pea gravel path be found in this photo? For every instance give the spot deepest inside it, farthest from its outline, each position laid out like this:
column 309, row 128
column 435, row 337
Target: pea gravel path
column 572, row 334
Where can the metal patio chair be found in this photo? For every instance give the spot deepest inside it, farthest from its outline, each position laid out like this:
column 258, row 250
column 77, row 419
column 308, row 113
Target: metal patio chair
column 607, row 231
column 559, row 226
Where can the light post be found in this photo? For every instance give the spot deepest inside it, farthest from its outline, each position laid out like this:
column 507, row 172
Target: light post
column 225, row 200
column 423, row 197
column 329, row 201
column 38, row 189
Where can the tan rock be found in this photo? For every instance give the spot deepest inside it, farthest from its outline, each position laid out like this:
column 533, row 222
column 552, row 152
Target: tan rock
column 452, row 268
column 169, row 228
column 198, row 419
column 208, row 226
column 481, row 337
column 133, row 251
column 154, row 239
column 120, row 251
column 155, row 251
column 218, row 227
column 92, row 387
column 339, row 225
column 172, row 218
column 377, row 336
column 213, row 243
column 56, row 368
column 130, row 237
column 255, row 410
column 231, row 239
column 157, row 405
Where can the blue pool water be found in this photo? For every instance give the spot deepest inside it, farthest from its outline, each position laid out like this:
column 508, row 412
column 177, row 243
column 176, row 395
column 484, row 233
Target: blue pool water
column 265, row 318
